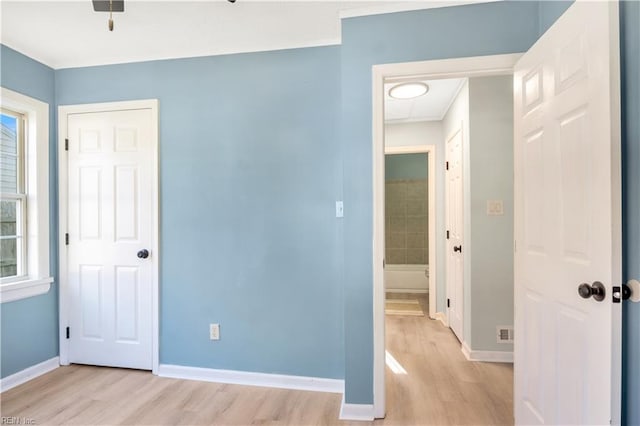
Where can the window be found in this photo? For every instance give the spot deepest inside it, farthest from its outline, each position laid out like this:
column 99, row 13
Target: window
column 24, row 196
column 13, row 197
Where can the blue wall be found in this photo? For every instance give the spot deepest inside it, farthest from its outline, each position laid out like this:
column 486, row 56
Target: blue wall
column 405, row 166
column 630, row 89
column 249, row 174
column 483, row 29
column 35, row 318
column 257, row 167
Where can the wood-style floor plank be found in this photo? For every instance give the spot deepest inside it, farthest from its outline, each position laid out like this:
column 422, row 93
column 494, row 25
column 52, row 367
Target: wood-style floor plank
column 441, row 387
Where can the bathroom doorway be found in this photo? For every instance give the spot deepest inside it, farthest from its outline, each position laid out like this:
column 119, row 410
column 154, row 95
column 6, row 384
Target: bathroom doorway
column 409, row 224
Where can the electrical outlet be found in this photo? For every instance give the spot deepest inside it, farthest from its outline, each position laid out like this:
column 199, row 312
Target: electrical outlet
column 214, row 331
column 339, row 209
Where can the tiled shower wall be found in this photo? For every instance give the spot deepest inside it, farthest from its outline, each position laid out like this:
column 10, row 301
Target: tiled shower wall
column 406, row 216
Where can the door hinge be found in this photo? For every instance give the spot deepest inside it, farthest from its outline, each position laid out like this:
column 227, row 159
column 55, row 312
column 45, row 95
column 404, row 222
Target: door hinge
column 447, row 235
column 448, row 305
column 66, row 144
column 447, row 165
column 66, row 239
column 68, row 333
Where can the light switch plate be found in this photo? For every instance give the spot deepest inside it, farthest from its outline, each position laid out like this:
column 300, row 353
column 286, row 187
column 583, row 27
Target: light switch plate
column 495, row 207
column 214, row 331
column 339, row 209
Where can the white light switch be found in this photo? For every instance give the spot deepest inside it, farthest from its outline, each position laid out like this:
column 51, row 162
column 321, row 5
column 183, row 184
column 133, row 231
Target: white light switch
column 495, row 208
column 214, row 331
column 339, row 209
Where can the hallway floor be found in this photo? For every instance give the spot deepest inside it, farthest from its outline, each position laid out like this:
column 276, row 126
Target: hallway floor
column 441, row 387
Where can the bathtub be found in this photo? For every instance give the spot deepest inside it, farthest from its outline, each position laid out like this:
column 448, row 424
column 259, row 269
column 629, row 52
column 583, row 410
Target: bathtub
column 407, row 278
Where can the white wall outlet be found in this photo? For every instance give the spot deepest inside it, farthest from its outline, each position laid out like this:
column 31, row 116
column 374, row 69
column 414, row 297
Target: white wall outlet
column 214, row 331
column 495, row 208
column 339, row 209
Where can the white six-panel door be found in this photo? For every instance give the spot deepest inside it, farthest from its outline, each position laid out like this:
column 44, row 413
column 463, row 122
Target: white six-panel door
column 110, row 219
column 567, row 221
column 455, row 227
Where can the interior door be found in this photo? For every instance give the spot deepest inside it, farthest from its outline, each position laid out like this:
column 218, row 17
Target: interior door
column 110, row 217
column 455, row 230
column 567, row 222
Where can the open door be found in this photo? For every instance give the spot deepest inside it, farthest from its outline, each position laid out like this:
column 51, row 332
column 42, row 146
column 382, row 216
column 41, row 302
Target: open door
column 568, row 222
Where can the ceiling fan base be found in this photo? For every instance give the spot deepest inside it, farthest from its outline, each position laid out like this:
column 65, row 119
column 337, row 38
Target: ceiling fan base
column 103, row 5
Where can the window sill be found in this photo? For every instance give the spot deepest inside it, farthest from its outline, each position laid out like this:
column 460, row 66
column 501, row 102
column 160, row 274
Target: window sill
column 22, row 289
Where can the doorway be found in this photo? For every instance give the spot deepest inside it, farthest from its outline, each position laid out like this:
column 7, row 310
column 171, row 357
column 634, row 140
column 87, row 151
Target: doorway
column 109, row 253
column 460, row 69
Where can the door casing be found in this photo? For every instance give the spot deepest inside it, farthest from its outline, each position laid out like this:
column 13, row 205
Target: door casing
column 63, row 304
column 479, row 66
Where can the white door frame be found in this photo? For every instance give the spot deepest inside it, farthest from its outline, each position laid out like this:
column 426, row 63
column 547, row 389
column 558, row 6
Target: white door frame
column 430, row 150
column 447, row 68
column 63, row 112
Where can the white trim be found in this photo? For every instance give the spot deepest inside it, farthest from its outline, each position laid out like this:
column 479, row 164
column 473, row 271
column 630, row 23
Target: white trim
column 28, row 373
column 37, row 280
column 442, row 317
column 63, row 112
column 26, row 288
column 356, row 412
column 485, row 356
column 248, row 378
column 404, row 7
column 447, row 68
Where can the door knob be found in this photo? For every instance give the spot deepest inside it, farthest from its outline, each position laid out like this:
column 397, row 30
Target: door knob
column 457, row 248
column 596, row 290
column 143, row 254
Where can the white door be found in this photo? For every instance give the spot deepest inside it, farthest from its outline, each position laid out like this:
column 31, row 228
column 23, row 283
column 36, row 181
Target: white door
column 567, row 221
column 455, row 232
column 110, row 224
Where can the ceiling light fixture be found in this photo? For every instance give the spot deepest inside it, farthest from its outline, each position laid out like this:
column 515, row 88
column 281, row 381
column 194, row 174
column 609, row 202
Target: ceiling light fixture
column 408, row 90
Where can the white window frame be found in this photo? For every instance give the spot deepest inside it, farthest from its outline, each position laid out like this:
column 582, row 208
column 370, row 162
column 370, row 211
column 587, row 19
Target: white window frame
column 37, row 279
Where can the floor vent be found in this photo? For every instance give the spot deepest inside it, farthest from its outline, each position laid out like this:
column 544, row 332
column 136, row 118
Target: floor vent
column 504, row 334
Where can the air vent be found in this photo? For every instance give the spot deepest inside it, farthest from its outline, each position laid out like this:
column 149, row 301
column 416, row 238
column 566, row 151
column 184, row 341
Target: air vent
column 504, row 334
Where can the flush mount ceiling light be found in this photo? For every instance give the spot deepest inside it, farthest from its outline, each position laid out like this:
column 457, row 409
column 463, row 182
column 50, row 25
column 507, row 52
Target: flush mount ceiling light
column 408, row 90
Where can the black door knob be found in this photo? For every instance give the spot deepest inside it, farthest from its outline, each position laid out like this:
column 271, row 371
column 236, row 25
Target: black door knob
column 143, row 254
column 457, row 248
column 596, row 290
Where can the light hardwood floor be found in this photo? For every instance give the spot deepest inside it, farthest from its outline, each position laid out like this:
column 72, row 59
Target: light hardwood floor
column 441, row 387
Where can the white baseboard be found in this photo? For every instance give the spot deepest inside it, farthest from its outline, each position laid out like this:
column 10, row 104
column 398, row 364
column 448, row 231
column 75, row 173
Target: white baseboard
column 358, row 412
column 442, row 317
column 252, row 379
column 29, row 373
column 486, row 356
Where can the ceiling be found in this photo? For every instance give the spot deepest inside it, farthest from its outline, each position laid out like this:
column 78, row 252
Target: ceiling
column 430, row 107
column 65, row 34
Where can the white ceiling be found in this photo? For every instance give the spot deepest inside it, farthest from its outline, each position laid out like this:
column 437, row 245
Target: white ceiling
column 430, row 107
column 64, row 34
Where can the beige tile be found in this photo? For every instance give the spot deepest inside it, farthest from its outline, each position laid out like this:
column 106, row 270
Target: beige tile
column 396, row 209
column 416, row 240
column 417, row 224
column 398, row 224
column 396, row 256
column 395, row 192
column 398, row 240
column 416, row 257
column 417, row 189
column 416, row 207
